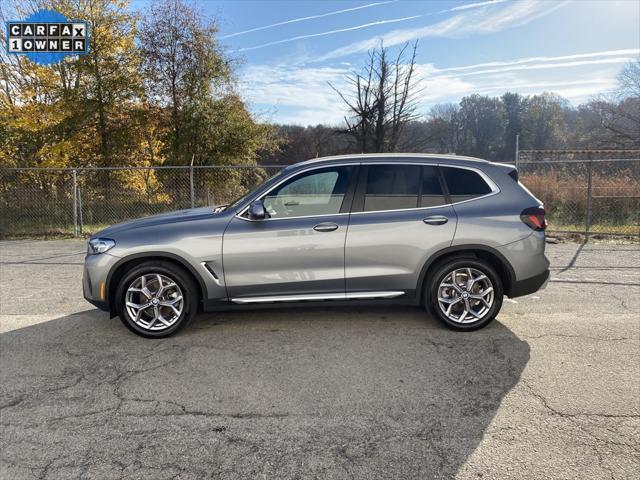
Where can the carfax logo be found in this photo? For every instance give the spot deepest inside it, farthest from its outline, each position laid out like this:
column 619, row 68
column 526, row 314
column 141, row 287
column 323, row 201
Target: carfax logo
column 46, row 37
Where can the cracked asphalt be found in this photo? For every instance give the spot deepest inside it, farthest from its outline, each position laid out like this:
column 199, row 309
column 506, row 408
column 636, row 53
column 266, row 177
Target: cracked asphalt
column 549, row 390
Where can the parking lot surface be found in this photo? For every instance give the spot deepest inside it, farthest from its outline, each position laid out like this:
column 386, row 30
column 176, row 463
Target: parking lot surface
column 549, row 390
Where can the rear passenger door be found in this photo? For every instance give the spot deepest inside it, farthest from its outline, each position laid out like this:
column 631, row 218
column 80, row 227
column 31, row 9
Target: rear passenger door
column 400, row 217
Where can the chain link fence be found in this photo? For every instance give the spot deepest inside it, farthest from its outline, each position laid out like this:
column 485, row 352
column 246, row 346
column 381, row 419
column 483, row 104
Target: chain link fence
column 586, row 191
column 50, row 202
column 583, row 192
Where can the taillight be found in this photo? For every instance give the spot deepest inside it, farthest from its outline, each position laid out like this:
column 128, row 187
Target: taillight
column 534, row 218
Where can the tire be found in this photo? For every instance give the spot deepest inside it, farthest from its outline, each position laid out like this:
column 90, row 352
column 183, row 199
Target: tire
column 481, row 303
column 171, row 297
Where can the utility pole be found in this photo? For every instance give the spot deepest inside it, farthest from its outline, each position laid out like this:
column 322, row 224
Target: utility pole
column 517, row 149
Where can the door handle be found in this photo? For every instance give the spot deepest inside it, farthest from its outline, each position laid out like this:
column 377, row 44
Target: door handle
column 325, row 227
column 436, row 220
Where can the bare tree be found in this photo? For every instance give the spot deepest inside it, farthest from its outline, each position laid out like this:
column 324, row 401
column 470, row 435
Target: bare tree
column 629, row 80
column 383, row 100
column 445, row 127
column 618, row 114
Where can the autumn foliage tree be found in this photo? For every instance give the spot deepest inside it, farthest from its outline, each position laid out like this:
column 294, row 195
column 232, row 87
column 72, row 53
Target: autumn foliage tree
column 153, row 89
column 188, row 77
column 82, row 110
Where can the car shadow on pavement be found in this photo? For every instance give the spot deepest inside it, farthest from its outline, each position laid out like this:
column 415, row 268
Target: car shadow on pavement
column 286, row 393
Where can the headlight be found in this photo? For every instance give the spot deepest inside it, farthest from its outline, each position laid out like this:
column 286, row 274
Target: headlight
column 99, row 245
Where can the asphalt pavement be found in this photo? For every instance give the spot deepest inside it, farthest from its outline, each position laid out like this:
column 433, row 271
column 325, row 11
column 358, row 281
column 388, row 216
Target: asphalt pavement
column 549, row 390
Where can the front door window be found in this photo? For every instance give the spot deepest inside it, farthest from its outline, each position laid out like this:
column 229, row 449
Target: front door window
column 319, row 192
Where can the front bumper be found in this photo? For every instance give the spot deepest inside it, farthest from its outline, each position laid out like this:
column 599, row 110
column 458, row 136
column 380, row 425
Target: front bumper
column 94, row 278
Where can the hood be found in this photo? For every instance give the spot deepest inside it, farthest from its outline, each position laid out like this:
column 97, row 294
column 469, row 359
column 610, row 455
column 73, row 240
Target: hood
column 160, row 219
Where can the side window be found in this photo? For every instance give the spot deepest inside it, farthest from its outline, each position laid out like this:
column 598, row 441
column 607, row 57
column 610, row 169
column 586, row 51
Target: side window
column 464, row 184
column 319, row 192
column 431, row 193
column 391, row 187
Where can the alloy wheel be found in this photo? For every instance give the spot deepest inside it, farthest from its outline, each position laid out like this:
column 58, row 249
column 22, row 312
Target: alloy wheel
column 465, row 295
column 154, row 302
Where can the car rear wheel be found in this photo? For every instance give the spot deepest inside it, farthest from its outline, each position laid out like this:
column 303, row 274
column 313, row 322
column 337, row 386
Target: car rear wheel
column 156, row 299
column 464, row 293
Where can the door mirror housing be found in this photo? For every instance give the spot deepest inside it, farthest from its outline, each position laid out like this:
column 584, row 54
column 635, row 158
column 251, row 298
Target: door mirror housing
column 256, row 211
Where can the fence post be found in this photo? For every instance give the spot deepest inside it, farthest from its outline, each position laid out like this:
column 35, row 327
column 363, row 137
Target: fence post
column 587, row 225
column 191, row 190
column 80, row 211
column 75, row 203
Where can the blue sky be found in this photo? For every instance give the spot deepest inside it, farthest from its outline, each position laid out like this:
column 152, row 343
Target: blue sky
column 573, row 48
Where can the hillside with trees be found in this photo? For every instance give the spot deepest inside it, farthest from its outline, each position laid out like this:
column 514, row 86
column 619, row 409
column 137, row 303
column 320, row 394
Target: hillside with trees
column 377, row 120
column 158, row 88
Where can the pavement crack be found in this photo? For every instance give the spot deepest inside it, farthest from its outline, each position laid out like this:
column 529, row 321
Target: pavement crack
column 543, row 400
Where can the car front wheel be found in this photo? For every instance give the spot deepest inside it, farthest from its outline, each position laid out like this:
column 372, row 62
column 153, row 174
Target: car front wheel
column 156, row 299
column 465, row 293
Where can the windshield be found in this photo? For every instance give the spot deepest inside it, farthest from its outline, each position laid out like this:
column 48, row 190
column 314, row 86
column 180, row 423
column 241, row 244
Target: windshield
column 237, row 202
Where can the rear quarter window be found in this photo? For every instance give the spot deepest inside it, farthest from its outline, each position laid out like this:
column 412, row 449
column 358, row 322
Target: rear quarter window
column 464, row 184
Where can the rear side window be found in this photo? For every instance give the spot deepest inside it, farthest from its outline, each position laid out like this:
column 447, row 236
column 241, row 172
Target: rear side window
column 464, row 184
column 431, row 192
column 392, row 187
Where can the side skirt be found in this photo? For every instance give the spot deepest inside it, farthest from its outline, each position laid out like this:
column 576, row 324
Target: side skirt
column 318, row 297
column 354, row 300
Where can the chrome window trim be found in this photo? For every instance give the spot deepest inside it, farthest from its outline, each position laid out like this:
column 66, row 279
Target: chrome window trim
column 401, row 209
column 489, row 181
column 291, row 218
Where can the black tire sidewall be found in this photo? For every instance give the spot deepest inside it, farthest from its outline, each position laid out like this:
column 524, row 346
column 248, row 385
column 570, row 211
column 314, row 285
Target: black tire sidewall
column 445, row 268
column 178, row 275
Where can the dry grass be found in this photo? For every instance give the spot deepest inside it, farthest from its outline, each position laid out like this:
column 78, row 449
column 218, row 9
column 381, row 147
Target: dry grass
column 615, row 201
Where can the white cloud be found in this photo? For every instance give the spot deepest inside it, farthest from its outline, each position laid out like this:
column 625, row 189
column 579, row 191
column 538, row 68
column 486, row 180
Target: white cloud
column 436, row 87
column 329, row 32
column 301, row 94
column 608, row 53
column 487, row 19
column 474, row 5
column 541, row 66
column 302, row 19
column 348, row 29
column 606, row 82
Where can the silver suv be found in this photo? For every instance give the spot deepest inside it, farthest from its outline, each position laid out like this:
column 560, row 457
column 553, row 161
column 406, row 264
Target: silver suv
column 453, row 234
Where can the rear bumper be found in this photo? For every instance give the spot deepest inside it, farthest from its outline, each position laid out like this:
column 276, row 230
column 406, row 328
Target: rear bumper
column 530, row 266
column 529, row 285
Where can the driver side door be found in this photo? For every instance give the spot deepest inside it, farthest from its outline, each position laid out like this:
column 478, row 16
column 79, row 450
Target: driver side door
column 298, row 250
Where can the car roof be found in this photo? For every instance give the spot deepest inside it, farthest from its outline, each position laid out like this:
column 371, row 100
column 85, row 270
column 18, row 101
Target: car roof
column 391, row 157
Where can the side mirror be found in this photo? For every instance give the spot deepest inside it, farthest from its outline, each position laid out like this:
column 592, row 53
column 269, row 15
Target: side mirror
column 256, row 211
